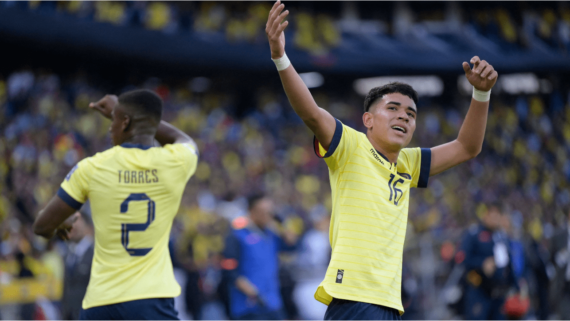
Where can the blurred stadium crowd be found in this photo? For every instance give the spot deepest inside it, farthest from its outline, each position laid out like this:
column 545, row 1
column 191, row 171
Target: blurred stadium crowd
column 46, row 127
column 319, row 27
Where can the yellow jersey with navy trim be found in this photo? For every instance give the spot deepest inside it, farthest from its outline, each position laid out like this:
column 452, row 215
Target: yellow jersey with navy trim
column 369, row 217
column 134, row 193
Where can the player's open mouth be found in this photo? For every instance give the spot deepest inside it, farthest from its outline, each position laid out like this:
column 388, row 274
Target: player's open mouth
column 398, row 128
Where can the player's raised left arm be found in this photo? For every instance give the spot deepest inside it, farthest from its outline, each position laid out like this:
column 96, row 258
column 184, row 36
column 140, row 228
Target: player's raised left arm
column 168, row 134
column 470, row 140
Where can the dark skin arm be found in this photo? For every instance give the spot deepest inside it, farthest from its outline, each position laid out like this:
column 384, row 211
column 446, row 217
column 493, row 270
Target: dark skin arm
column 56, row 218
column 168, row 134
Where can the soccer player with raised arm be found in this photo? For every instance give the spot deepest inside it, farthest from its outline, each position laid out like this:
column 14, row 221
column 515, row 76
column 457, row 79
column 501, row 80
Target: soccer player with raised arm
column 371, row 175
column 134, row 190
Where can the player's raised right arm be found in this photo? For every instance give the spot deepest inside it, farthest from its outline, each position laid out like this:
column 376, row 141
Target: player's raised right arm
column 320, row 121
column 168, row 134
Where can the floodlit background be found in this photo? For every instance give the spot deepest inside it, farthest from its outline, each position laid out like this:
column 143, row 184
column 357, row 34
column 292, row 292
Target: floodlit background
column 210, row 62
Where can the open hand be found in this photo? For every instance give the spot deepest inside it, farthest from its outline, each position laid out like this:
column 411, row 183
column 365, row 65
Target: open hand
column 274, row 29
column 105, row 105
column 483, row 76
column 65, row 227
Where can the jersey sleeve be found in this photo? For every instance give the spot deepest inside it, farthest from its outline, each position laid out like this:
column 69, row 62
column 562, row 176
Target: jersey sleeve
column 344, row 142
column 187, row 155
column 416, row 162
column 75, row 187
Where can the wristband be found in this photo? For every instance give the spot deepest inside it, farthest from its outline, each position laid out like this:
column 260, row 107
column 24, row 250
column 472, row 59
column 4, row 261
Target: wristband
column 482, row 96
column 282, row 63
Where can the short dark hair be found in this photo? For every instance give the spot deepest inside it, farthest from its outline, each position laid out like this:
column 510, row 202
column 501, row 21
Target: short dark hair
column 496, row 205
column 143, row 102
column 393, row 87
column 253, row 199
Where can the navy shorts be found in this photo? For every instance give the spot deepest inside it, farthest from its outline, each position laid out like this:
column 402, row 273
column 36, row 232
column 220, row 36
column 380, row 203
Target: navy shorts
column 352, row 310
column 146, row 309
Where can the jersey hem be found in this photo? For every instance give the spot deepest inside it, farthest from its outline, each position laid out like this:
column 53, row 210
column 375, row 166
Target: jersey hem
column 127, row 299
column 356, row 298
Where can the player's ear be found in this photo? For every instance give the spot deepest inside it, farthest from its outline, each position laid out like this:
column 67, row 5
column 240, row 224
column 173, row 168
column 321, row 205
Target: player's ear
column 367, row 119
column 126, row 124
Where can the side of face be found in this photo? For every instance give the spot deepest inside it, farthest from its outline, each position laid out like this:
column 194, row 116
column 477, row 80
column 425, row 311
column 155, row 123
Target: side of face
column 120, row 122
column 493, row 218
column 262, row 212
column 391, row 120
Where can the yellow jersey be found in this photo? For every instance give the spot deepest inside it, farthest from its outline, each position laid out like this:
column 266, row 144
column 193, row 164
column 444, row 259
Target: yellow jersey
column 134, row 193
column 370, row 211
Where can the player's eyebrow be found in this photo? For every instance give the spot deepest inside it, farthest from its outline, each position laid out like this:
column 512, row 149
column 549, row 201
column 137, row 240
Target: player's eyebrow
column 399, row 104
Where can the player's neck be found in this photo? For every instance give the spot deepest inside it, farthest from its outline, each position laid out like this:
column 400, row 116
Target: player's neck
column 391, row 155
column 145, row 140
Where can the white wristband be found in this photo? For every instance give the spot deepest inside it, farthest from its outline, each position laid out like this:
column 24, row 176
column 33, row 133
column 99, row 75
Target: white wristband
column 482, row 96
column 282, row 63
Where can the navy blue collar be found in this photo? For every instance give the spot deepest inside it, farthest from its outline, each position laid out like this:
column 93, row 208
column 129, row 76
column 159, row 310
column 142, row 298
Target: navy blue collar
column 386, row 158
column 141, row 146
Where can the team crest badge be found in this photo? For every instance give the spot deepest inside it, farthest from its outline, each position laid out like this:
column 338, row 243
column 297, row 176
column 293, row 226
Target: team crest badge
column 339, row 276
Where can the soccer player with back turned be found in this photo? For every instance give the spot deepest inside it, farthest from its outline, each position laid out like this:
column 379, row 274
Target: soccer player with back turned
column 371, row 175
column 134, row 191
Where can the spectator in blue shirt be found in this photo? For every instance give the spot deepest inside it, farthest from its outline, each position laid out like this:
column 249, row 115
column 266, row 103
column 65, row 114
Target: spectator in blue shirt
column 251, row 263
column 489, row 267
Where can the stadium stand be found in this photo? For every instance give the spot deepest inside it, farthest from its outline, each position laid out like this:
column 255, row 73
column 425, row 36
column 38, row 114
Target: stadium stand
column 251, row 141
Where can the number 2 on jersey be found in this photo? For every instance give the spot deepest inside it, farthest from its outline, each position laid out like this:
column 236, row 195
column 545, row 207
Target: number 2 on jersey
column 136, row 227
column 394, row 190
